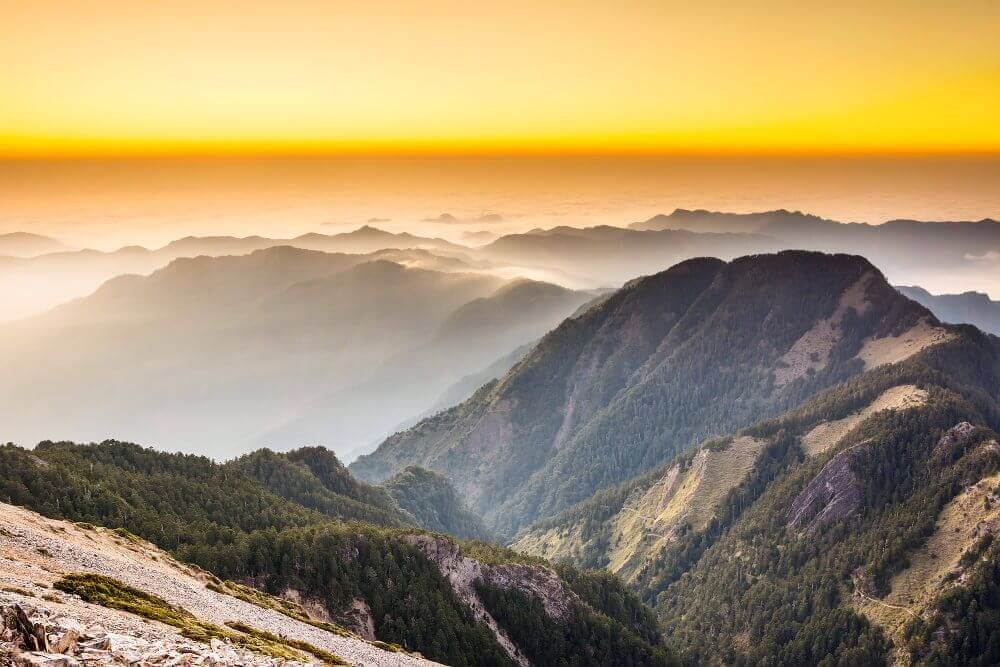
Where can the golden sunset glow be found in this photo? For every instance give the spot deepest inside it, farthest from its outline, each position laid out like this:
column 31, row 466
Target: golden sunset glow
column 130, row 77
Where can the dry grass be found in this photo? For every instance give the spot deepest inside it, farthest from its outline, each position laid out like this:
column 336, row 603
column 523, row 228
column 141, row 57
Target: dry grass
column 828, row 434
column 937, row 563
column 893, row 349
column 111, row 593
column 645, row 525
column 812, row 350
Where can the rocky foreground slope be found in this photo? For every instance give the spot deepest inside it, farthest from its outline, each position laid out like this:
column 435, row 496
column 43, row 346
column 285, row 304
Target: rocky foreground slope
column 37, row 553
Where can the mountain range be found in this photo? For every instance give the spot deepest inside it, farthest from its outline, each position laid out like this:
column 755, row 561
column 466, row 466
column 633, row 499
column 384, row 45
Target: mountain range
column 701, row 349
column 773, row 459
column 278, row 347
column 942, row 256
column 31, row 284
column 973, row 308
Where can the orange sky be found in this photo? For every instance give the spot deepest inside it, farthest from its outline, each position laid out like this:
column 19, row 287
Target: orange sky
column 206, row 76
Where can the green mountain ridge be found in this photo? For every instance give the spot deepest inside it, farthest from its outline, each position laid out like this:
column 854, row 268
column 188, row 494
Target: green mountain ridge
column 701, row 349
column 434, row 503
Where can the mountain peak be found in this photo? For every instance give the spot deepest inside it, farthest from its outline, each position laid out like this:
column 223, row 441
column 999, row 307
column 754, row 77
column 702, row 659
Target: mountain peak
column 700, row 348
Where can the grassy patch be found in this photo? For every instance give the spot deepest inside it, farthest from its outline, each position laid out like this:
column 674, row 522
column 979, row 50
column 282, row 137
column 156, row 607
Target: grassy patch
column 121, row 532
column 286, row 607
column 392, row 648
column 492, row 554
column 17, row 591
column 111, row 593
column 327, row 657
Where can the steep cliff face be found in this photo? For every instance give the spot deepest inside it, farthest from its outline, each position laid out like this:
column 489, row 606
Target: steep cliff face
column 538, row 615
column 465, row 573
column 832, row 495
column 702, row 349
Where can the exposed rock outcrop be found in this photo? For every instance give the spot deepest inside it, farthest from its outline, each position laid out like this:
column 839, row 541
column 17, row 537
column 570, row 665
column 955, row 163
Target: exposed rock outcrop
column 464, row 573
column 832, row 495
column 35, row 636
column 958, row 434
column 358, row 619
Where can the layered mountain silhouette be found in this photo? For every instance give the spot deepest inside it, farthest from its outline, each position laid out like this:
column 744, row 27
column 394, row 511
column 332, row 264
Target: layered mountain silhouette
column 939, row 254
column 25, row 244
column 281, row 347
column 943, row 256
column 973, row 308
column 33, row 284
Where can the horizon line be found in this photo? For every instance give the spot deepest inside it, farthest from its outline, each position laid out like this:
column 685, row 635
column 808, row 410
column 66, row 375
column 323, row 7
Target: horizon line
column 208, row 153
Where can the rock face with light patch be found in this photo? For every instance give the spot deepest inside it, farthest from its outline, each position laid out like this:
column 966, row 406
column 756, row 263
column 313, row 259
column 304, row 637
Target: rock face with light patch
column 832, row 495
column 812, row 350
column 464, row 573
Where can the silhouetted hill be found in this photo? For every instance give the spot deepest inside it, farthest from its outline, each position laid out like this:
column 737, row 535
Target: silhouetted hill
column 973, row 308
column 278, row 348
column 25, row 244
column 612, row 255
column 30, row 285
column 939, row 254
column 406, row 385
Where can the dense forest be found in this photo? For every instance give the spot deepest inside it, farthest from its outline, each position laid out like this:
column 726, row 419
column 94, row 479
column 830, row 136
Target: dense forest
column 292, row 521
column 434, row 503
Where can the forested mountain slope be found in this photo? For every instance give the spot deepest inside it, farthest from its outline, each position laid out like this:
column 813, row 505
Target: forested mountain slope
column 856, row 528
column 434, row 503
column 397, row 584
column 704, row 348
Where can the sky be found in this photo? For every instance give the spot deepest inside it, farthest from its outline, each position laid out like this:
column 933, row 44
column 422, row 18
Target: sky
column 370, row 77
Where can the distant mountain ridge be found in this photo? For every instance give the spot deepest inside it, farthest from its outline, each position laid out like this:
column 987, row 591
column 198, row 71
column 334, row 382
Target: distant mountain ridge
column 30, row 285
column 973, row 308
column 277, row 348
column 26, row 244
